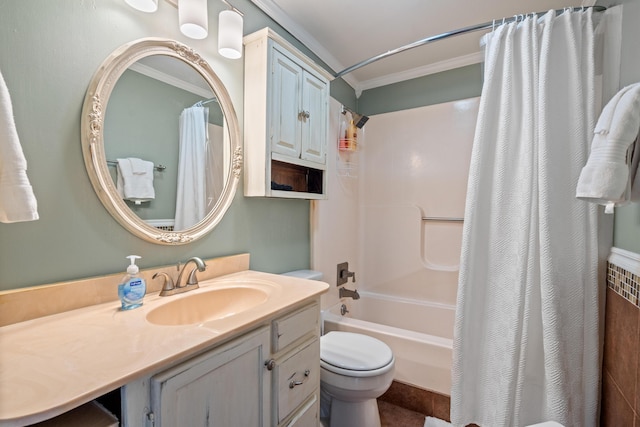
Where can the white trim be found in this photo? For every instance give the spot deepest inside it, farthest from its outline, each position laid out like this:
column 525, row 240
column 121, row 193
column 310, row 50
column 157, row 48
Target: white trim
column 437, row 67
column 281, row 17
column 628, row 260
column 170, row 80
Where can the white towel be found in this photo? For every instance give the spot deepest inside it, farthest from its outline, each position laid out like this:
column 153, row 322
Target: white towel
column 435, row 422
column 135, row 180
column 610, row 176
column 17, row 201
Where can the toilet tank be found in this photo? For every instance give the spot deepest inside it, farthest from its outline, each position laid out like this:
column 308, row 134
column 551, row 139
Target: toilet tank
column 305, row 274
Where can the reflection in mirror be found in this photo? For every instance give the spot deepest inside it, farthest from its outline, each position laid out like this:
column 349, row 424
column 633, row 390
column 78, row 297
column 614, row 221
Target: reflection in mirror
column 163, row 113
column 161, row 141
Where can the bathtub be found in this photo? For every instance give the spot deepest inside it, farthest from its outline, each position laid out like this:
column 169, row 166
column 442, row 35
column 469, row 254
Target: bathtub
column 418, row 332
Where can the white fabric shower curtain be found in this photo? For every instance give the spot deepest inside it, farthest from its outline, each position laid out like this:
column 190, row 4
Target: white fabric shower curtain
column 191, row 197
column 526, row 341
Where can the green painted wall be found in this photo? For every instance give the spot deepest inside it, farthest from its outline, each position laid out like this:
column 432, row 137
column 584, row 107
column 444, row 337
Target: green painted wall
column 460, row 83
column 48, row 55
column 626, row 234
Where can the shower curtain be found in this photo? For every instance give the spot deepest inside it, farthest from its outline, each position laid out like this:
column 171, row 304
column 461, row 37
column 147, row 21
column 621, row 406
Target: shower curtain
column 191, row 197
column 527, row 337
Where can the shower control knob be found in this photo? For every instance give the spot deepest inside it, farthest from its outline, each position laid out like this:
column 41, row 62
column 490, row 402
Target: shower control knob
column 270, row 364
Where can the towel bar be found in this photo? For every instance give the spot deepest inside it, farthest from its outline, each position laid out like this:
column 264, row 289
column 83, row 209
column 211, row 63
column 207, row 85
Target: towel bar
column 442, row 219
column 159, row 168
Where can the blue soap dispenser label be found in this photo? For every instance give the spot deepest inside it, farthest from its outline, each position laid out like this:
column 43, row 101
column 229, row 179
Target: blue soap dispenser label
column 132, row 289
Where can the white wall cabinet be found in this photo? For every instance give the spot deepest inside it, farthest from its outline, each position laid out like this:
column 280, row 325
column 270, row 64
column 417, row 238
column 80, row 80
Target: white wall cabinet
column 286, row 120
column 267, row 377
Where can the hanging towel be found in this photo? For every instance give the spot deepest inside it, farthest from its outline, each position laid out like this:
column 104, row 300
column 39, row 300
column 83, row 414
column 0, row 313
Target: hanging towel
column 135, row 180
column 17, row 201
column 610, row 176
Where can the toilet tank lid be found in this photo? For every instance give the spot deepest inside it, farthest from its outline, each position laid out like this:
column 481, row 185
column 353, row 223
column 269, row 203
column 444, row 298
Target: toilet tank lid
column 305, row 274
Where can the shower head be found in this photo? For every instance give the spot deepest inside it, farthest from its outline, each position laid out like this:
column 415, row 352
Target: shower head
column 358, row 119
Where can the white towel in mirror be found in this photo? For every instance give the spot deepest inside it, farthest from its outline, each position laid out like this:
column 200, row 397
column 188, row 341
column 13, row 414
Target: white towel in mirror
column 135, row 180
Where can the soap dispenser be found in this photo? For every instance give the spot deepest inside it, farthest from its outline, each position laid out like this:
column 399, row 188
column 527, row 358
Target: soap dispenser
column 132, row 288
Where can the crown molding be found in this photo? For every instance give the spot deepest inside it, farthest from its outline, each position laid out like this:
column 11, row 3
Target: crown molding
column 437, row 67
column 170, row 80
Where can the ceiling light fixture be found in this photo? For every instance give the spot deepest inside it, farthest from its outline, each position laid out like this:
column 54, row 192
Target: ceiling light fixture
column 193, row 18
column 148, row 6
column 230, row 32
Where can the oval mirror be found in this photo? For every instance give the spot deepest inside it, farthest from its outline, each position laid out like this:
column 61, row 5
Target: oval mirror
column 161, row 141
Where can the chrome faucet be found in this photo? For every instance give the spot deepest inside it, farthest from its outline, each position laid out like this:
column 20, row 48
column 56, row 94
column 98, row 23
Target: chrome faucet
column 192, row 280
column 348, row 293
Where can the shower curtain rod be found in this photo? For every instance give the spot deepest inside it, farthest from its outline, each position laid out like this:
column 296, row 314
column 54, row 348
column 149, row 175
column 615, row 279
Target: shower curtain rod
column 206, row 101
column 457, row 32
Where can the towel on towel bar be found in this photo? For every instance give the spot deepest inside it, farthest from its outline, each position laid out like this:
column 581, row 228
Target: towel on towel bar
column 611, row 176
column 135, row 180
column 17, row 201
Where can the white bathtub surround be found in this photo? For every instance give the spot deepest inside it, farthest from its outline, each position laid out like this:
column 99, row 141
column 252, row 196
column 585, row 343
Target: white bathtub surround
column 526, row 343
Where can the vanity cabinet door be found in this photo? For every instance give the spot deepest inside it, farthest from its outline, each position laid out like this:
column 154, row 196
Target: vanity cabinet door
column 228, row 386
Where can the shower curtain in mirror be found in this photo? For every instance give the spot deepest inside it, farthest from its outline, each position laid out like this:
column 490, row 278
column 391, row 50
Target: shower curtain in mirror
column 527, row 331
column 191, row 197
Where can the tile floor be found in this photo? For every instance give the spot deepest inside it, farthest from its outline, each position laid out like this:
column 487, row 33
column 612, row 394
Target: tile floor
column 394, row 416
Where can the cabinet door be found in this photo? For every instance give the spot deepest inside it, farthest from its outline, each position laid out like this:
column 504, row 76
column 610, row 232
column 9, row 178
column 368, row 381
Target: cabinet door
column 285, row 106
column 314, row 128
column 228, row 386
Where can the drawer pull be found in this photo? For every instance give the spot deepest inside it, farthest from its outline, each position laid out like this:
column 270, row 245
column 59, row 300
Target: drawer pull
column 270, row 364
column 294, row 383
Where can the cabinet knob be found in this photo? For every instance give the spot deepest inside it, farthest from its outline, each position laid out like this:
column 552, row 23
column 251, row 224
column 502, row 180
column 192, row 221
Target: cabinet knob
column 270, row 364
column 303, row 115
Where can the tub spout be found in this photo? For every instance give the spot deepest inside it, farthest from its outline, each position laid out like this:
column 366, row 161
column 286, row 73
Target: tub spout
column 347, row 293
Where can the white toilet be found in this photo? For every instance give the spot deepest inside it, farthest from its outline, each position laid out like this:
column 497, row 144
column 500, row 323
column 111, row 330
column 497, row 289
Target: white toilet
column 356, row 369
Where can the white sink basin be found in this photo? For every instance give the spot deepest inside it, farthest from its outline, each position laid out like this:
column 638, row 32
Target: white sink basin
column 207, row 305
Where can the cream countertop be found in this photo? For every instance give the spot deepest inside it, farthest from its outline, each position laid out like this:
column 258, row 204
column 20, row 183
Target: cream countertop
column 52, row 364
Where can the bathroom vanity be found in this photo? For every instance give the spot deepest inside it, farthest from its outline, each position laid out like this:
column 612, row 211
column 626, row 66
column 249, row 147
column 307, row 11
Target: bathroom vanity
column 251, row 358
column 268, row 376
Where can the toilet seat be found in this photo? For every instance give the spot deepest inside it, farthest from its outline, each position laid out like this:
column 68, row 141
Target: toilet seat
column 354, row 355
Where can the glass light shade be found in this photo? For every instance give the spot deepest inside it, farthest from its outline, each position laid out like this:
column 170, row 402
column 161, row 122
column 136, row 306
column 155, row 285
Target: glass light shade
column 230, row 34
column 193, row 18
column 143, row 5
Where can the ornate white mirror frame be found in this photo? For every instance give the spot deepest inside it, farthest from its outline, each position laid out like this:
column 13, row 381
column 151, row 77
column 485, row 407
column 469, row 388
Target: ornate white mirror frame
column 93, row 149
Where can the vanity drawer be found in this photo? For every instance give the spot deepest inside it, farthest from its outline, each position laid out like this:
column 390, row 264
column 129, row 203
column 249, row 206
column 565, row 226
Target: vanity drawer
column 288, row 329
column 298, row 377
column 307, row 416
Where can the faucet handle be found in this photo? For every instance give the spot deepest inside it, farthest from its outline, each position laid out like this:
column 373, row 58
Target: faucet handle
column 167, row 285
column 193, row 279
